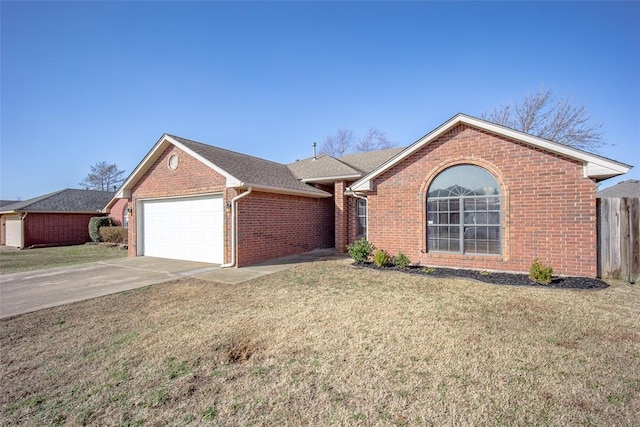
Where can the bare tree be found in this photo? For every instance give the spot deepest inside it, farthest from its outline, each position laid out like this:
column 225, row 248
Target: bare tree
column 103, row 176
column 344, row 142
column 545, row 115
column 339, row 144
column 375, row 139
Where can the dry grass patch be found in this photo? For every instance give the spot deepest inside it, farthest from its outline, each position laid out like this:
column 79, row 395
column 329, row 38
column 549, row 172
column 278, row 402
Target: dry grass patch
column 328, row 344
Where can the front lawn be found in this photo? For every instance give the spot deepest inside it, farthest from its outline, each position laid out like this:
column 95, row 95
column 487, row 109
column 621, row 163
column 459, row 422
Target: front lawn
column 14, row 261
column 328, row 344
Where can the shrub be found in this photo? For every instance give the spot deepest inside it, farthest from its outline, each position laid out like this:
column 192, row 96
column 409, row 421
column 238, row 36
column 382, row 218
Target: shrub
column 113, row 234
column 360, row 250
column 380, row 258
column 540, row 273
column 94, row 226
column 400, row 260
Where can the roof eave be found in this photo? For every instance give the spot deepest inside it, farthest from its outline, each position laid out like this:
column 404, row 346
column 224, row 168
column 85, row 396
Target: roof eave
column 288, row 191
column 330, row 179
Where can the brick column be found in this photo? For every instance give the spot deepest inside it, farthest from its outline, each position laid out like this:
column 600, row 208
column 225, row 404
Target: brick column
column 341, row 217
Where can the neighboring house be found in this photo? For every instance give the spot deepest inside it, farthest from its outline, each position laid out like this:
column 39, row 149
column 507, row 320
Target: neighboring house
column 4, row 203
column 470, row 194
column 628, row 188
column 59, row 218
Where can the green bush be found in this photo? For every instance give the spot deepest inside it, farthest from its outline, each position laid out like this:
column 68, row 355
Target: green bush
column 360, row 250
column 380, row 258
column 540, row 273
column 94, row 226
column 113, row 234
column 400, row 260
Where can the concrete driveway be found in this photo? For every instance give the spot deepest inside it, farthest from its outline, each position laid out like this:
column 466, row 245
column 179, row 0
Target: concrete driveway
column 34, row 290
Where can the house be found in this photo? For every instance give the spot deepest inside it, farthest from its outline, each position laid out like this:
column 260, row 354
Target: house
column 59, row 218
column 469, row 194
column 628, row 188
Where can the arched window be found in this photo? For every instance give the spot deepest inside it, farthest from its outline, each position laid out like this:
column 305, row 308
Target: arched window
column 463, row 212
column 361, row 218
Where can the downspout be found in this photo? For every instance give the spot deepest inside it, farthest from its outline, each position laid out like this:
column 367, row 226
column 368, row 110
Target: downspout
column 22, row 217
column 234, row 231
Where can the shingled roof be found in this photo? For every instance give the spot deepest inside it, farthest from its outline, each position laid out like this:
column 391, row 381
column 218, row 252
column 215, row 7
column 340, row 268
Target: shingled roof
column 350, row 166
column 628, row 188
column 67, row 200
column 243, row 171
column 249, row 169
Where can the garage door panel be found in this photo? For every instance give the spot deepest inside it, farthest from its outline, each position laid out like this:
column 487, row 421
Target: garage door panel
column 13, row 232
column 188, row 228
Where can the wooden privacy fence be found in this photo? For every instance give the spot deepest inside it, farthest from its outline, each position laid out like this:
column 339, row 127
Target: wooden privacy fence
column 619, row 238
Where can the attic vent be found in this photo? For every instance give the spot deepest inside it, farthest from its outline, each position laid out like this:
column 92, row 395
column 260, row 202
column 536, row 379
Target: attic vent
column 173, row 162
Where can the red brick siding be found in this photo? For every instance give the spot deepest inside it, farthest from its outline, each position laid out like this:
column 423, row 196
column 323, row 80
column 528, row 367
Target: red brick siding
column 191, row 178
column 117, row 211
column 276, row 225
column 341, row 217
column 548, row 205
column 56, row 228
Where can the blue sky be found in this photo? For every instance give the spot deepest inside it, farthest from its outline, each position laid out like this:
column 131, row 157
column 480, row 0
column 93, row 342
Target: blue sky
column 84, row 82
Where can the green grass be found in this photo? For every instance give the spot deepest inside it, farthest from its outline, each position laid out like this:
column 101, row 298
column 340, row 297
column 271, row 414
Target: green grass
column 36, row 259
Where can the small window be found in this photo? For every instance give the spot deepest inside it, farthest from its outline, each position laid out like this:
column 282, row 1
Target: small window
column 361, row 218
column 125, row 217
column 464, row 212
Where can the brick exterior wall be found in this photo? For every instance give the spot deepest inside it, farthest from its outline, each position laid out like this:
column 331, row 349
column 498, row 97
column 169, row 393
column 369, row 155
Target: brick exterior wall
column 190, row 178
column 117, row 211
column 342, row 215
column 57, row 228
column 269, row 225
column 276, row 225
column 548, row 206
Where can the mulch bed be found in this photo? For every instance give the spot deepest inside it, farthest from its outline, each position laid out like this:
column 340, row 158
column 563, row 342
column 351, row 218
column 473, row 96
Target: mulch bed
column 496, row 278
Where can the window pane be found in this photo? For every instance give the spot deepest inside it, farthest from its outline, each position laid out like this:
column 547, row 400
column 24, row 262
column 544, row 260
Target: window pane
column 481, row 218
column 432, row 218
column 493, row 218
column 493, row 204
column 443, row 205
column 443, row 218
column 463, row 180
column 469, row 218
column 454, row 218
column 454, row 205
column 432, row 205
column 493, row 233
column 481, row 204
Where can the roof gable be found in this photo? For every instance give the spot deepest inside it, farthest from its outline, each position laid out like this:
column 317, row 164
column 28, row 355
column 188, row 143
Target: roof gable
column 595, row 167
column 239, row 170
column 67, row 200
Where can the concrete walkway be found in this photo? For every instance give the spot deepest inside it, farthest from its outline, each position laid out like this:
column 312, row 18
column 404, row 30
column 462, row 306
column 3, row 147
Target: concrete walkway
column 34, row 290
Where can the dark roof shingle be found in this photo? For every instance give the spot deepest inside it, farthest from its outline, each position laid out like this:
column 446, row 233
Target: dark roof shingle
column 249, row 169
column 67, row 200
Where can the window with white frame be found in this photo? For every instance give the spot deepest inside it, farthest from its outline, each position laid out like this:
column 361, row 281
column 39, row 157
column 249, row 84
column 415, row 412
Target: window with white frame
column 464, row 212
column 361, row 218
column 125, row 217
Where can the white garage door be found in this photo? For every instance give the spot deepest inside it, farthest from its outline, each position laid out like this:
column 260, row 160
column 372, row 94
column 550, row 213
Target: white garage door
column 13, row 232
column 189, row 228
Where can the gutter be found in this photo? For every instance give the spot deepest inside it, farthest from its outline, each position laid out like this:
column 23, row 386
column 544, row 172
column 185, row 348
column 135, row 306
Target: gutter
column 234, row 231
